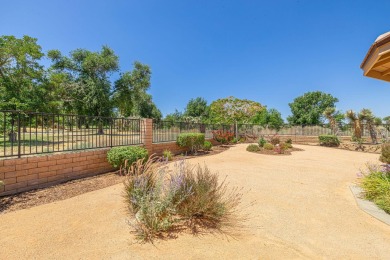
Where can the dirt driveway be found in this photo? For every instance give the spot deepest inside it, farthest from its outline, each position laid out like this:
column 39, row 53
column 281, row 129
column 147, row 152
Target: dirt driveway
column 304, row 209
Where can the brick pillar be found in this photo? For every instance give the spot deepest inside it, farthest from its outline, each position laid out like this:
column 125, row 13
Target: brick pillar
column 148, row 137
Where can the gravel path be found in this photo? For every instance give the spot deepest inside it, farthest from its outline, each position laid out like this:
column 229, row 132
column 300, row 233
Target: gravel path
column 304, row 209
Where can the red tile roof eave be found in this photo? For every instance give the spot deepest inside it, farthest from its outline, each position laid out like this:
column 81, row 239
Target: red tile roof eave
column 374, row 46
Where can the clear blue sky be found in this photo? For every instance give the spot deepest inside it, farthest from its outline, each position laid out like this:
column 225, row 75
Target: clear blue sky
column 267, row 51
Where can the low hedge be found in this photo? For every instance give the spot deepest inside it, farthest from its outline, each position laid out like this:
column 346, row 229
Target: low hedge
column 117, row 156
column 329, row 140
column 192, row 141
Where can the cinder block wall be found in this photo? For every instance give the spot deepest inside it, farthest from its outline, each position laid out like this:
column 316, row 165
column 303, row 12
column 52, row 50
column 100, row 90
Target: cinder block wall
column 41, row 171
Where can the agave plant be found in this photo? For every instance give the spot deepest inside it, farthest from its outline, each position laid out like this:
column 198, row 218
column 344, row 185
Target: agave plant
column 368, row 118
column 357, row 125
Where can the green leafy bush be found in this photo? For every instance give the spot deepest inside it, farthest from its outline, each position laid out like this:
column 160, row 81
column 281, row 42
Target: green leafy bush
column 163, row 200
column 376, row 186
column 168, row 155
column 268, row 146
column 253, row 148
column 234, row 140
column 289, row 141
column 385, row 155
column 329, row 140
column 192, row 141
column 262, row 141
column 124, row 156
column 207, row 145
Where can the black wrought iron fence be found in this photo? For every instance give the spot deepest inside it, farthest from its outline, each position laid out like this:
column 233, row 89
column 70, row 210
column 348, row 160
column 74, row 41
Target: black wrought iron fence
column 167, row 131
column 23, row 133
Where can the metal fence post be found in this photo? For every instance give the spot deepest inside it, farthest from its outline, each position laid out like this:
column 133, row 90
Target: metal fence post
column 19, row 152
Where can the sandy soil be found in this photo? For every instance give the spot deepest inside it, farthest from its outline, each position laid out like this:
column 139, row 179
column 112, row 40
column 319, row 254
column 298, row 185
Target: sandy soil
column 304, row 209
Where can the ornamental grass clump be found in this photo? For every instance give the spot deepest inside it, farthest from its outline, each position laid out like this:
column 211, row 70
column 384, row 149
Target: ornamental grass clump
column 165, row 200
column 376, row 185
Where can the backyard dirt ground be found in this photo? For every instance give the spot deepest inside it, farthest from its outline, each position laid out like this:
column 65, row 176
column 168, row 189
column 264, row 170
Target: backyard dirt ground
column 304, row 209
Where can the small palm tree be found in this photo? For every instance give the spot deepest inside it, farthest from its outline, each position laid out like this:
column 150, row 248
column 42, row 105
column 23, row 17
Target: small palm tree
column 357, row 126
column 329, row 113
column 368, row 118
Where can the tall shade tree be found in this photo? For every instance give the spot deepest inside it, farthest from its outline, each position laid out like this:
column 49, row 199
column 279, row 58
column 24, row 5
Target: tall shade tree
column 130, row 93
column 87, row 79
column 230, row 110
column 268, row 117
column 197, row 108
column 20, row 73
column 308, row 109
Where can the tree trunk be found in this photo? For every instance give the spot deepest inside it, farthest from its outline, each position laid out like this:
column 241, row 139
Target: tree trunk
column 358, row 129
column 13, row 137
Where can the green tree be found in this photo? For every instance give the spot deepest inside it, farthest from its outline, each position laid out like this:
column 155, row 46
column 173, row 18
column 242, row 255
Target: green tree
column 271, row 118
column 130, row 93
column 176, row 116
column 197, row 108
column 230, row 110
column 20, row 73
column 87, row 80
column 308, row 109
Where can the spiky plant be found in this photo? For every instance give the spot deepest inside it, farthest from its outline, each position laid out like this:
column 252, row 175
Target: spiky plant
column 357, row 126
column 329, row 114
column 368, row 118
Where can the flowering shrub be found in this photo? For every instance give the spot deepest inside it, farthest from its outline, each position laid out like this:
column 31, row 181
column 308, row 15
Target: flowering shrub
column 376, row 185
column 279, row 148
column 223, row 137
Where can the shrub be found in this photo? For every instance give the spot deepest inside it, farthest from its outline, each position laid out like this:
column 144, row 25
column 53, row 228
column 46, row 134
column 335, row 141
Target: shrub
column 223, row 137
column 186, row 196
column 376, row 186
column 274, row 140
column 253, row 148
column 207, row 145
column 385, row 155
column 289, row 141
column 329, row 140
column 262, row 141
column 234, row 140
column 286, row 146
column 268, row 146
column 168, row 155
column 279, row 148
column 124, row 156
column 192, row 141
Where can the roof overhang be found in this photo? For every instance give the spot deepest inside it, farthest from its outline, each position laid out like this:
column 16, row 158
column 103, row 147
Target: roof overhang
column 376, row 64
